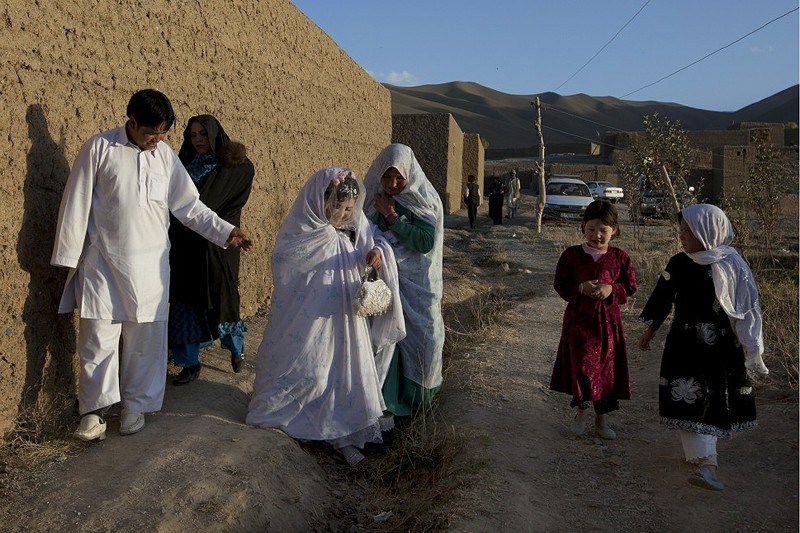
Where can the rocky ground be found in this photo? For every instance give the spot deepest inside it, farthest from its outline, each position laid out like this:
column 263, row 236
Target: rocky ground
column 197, row 466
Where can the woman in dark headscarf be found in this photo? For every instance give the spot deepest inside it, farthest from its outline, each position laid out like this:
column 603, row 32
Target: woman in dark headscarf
column 204, row 284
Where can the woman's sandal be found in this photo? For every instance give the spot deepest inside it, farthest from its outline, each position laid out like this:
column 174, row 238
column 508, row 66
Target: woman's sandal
column 703, row 478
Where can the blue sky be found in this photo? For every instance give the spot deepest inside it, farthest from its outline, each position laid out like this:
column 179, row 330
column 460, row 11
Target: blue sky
column 531, row 47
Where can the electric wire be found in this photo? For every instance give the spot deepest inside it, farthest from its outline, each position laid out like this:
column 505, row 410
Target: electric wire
column 608, row 127
column 711, row 54
column 610, row 145
column 603, row 47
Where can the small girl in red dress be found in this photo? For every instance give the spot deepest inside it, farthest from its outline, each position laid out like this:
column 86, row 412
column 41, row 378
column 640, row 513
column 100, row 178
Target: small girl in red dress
column 592, row 361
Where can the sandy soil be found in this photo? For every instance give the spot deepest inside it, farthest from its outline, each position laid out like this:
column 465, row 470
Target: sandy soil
column 197, row 466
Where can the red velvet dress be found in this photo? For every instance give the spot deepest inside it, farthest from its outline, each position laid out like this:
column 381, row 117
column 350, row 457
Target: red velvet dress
column 592, row 360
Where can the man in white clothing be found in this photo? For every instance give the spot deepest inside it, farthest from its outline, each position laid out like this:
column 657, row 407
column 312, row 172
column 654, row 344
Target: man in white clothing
column 512, row 194
column 112, row 234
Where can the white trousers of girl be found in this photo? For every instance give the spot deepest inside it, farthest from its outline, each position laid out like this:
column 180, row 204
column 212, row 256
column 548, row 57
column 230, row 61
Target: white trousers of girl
column 133, row 371
column 699, row 449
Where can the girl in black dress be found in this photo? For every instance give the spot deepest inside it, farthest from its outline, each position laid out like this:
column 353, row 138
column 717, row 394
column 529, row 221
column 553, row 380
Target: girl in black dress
column 714, row 346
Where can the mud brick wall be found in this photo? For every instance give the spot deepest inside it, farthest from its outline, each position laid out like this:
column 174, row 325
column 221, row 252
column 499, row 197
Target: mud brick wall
column 438, row 144
column 276, row 81
column 473, row 159
column 729, row 169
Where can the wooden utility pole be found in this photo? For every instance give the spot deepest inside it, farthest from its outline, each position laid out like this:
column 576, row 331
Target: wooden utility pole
column 540, row 165
column 671, row 190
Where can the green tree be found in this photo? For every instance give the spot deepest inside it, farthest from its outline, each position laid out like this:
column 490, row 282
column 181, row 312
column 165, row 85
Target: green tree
column 663, row 148
column 754, row 205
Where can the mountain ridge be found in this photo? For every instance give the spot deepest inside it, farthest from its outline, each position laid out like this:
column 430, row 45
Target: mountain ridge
column 506, row 120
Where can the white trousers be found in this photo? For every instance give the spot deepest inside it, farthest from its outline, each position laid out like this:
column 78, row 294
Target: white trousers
column 511, row 205
column 699, row 448
column 133, row 371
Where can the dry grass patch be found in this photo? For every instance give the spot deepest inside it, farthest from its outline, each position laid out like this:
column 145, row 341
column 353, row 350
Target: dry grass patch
column 425, row 473
column 43, row 432
column 779, row 304
column 429, row 466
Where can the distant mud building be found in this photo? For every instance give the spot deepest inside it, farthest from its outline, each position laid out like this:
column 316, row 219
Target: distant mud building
column 445, row 153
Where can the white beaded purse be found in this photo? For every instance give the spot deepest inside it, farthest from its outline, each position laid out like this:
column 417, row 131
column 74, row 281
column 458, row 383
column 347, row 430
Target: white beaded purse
column 374, row 297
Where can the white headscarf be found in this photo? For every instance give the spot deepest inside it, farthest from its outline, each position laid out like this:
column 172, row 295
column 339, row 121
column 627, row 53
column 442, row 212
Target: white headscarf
column 420, row 274
column 733, row 281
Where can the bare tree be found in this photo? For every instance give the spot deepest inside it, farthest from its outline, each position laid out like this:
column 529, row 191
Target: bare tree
column 540, row 167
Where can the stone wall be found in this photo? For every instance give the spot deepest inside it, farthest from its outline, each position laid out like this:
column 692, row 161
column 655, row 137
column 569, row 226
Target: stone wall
column 438, row 143
column 275, row 80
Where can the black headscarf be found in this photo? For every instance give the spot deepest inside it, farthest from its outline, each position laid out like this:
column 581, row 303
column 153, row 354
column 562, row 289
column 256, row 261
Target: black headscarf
column 217, row 137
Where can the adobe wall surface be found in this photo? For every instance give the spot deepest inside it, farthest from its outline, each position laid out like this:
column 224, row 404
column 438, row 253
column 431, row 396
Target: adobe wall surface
column 276, row 81
column 438, row 143
column 473, row 159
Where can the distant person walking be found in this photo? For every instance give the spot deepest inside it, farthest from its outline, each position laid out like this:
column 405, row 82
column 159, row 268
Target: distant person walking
column 713, row 350
column 472, row 198
column 112, row 234
column 592, row 361
column 496, row 194
column 512, row 194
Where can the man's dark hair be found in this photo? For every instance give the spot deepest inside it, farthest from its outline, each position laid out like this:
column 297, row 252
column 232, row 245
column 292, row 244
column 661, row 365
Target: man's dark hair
column 151, row 108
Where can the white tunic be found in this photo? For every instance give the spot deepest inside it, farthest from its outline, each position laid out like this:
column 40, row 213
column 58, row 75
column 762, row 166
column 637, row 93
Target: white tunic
column 112, row 228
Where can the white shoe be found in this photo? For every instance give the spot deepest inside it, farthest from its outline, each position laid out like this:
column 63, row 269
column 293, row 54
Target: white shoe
column 92, row 427
column 579, row 423
column 606, row 433
column 130, row 422
column 352, row 455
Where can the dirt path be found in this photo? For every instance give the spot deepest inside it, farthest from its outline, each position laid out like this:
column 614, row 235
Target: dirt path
column 196, row 466
column 541, row 478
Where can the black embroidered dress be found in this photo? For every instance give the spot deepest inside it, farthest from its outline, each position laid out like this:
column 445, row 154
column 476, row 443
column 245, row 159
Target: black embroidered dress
column 703, row 387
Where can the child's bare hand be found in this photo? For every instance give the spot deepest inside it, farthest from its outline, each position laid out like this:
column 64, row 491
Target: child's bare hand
column 602, row 291
column 374, row 258
column 647, row 336
column 594, row 289
column 588, row 287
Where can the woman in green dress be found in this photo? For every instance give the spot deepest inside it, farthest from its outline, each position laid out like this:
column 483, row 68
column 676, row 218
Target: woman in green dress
column 408, row 212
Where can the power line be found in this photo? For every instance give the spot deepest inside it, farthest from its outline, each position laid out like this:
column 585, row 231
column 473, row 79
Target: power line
column 711, row 54
column 603, row 47
column 611, row 128
column 553, row 108
column 595, row 141
column 609, row 145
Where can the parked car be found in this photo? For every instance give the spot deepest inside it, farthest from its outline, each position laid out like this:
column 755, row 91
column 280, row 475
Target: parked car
column 655, row 204
column 566, row 198
column 605, row 190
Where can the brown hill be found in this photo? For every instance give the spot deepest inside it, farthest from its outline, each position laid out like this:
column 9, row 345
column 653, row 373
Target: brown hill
column 506, row 120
